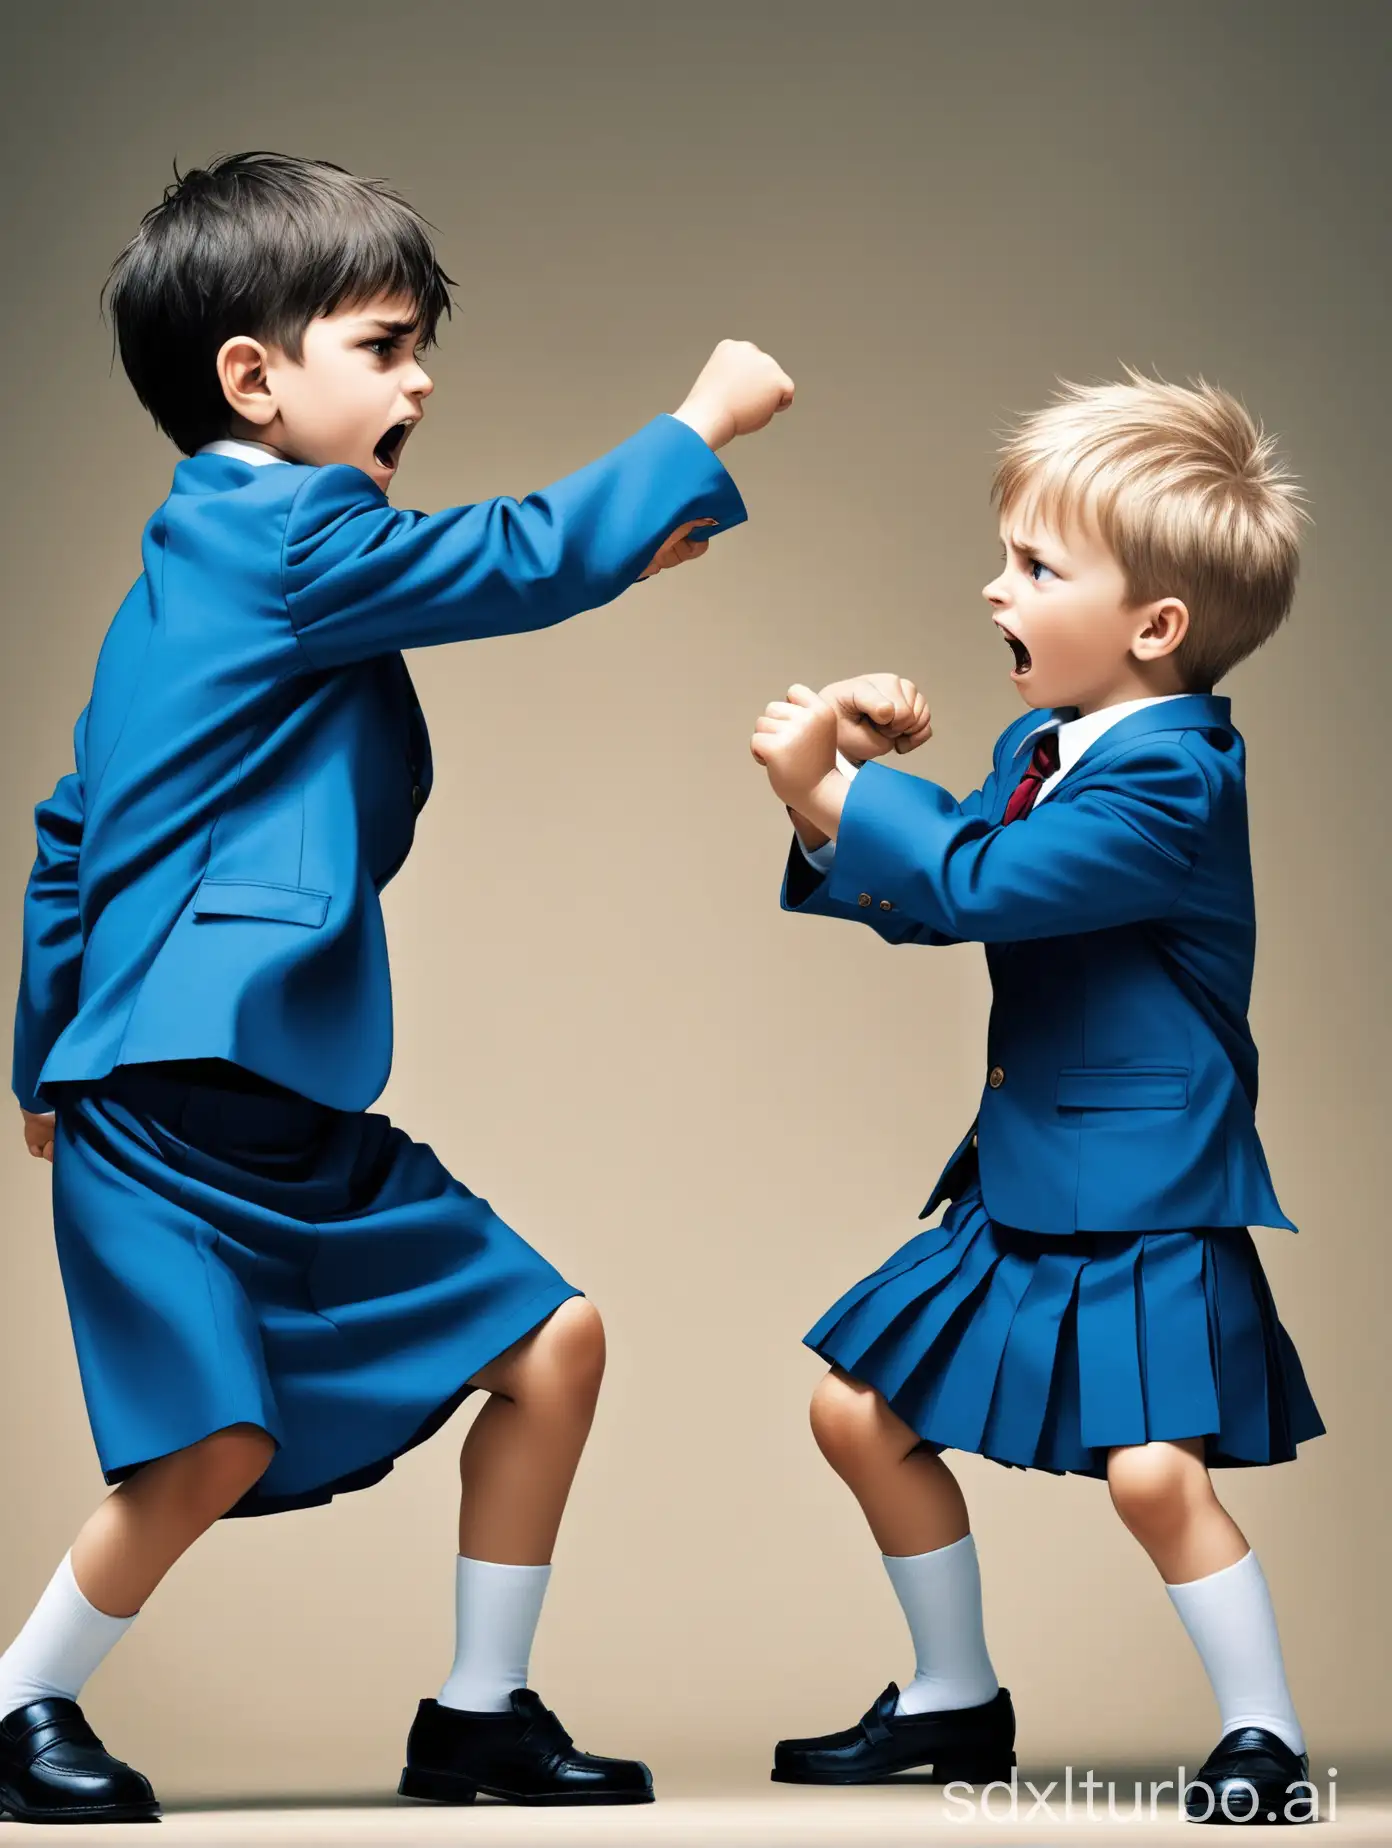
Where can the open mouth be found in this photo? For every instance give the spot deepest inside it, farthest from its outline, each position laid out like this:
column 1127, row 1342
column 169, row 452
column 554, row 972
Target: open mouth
column 1018, row 649
column 388, row 446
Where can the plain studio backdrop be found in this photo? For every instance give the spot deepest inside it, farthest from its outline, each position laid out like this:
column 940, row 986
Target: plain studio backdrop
column 711, row 1116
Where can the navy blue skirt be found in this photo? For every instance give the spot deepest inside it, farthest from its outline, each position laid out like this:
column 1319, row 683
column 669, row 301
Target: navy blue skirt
column 1043, row 1352
column 236, row 1254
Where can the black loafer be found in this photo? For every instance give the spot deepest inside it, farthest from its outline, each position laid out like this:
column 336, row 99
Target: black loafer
column 975, row 1744
column 523, row 1756
column 1247, row 1778
column 54, row 1768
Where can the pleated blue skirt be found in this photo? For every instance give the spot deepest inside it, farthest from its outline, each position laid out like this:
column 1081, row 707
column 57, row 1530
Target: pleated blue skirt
column 239, row 1255
column 1043, row 1352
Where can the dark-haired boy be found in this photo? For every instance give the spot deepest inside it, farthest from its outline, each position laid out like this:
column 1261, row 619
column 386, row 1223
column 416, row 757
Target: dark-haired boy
column 273, row 1292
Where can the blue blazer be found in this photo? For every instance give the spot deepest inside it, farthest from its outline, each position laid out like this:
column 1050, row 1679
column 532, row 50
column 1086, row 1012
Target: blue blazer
column 1120, row 1081
column 252, row 760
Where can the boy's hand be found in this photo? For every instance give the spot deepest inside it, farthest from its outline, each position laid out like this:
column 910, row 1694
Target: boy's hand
column 738, row 390
column 876, row 714
column 677, row 548
column 38, row 1132
column 795, row 741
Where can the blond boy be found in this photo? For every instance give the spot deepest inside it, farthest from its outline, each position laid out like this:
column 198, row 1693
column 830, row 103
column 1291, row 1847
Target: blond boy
column 1092, row 1301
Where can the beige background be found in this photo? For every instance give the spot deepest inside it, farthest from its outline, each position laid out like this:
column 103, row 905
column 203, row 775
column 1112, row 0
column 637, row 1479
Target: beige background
column 711, row 1116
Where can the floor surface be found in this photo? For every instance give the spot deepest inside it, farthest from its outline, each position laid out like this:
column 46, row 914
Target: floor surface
column 768, row 1817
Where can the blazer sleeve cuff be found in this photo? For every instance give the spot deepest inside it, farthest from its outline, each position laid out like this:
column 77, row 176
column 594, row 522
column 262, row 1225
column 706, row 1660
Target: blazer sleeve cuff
column 885, row 837
column 803, row 883
column 711, row 479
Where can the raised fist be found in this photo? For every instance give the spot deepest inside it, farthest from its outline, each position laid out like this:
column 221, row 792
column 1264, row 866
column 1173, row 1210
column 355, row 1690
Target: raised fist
column 738, row 390
column 877, row 714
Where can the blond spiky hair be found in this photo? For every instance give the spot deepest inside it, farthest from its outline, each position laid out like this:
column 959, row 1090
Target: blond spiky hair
column 1186, row 492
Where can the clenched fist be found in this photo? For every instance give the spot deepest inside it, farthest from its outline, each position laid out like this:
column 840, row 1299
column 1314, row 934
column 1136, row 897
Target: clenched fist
column 877, row 714
column 677, row 548
column 737, row 391
column 38, row 1132
column 795, row 741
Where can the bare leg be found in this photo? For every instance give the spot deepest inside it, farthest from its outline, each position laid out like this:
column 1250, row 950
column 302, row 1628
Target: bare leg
column 1215, row 1582
column 918, row 1516
column 520, row 1456
column 515, row 1472
column 487, row 1729
column 152, row 1518
column 909, row 1496
column 121, row 1554
column 1164, row 1495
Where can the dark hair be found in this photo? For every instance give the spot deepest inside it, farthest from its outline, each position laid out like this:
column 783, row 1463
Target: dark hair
column 258, row 244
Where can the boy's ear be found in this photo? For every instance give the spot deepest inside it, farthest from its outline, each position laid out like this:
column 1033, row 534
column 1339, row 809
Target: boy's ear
column 1165, row 626
column 245, row 378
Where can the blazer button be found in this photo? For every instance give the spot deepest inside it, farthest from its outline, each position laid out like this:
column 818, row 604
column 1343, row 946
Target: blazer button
column 995, row 1077
column 864, row 899
column 885, row 905
column 417, row 798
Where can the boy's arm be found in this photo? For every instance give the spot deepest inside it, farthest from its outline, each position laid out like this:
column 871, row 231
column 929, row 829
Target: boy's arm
column 363, row 579
column 1119, row 851
column 806, row 883
column 52, row 959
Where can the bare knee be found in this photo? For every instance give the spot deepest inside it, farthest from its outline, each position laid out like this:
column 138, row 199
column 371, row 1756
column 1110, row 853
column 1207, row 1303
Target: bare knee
column 573, row 1340
column 847, row 1421
column 562, row 1361
column 204, row 1480
column 1156, row 1488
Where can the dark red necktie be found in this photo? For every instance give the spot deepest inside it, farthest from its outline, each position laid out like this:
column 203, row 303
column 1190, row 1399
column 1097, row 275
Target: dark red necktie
column 1042, row 766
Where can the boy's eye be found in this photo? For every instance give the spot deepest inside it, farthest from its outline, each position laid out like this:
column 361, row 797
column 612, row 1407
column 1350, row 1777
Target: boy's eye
column 386, row 345
column 1036, row 565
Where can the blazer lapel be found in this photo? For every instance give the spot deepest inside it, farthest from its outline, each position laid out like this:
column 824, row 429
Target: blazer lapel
column 1019, row 758
column 1190, row 712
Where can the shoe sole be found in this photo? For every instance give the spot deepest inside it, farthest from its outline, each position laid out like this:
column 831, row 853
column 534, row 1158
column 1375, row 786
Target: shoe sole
column 445, row 1787
column 10, row 1805
column 925, row 1771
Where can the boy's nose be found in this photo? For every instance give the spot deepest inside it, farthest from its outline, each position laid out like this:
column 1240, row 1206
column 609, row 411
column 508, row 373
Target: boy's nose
column 993, row 594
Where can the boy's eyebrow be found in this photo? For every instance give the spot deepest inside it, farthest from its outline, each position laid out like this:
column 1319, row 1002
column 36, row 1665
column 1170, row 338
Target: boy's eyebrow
column 394, row 328
column 1023, row 543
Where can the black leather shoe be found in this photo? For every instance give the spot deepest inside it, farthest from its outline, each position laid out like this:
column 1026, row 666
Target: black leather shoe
column 1245, row 1779
column 54, row 1768
column 523, row 1756
column 976, row 1744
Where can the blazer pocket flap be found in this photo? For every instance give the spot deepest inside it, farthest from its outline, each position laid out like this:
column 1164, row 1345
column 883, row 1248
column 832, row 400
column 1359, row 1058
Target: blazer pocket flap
column 255, row 898
column 1123, row 1087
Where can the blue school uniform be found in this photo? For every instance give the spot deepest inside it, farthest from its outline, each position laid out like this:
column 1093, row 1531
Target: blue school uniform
column 205, row 996
column 1093, row 1281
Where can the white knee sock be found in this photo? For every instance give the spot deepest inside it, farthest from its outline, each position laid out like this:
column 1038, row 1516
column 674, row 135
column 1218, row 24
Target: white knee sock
column 1231, row 1623
column 941, row 1597
column 495, row 1618
column 59, row 1647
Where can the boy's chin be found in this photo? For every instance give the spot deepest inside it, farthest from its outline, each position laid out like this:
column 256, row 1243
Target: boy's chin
column 1040, row 690
column 1029, row 690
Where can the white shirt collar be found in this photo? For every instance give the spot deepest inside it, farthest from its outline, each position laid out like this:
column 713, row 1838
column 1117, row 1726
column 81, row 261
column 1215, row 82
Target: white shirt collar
column 258, row 454
column 1075, row 735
